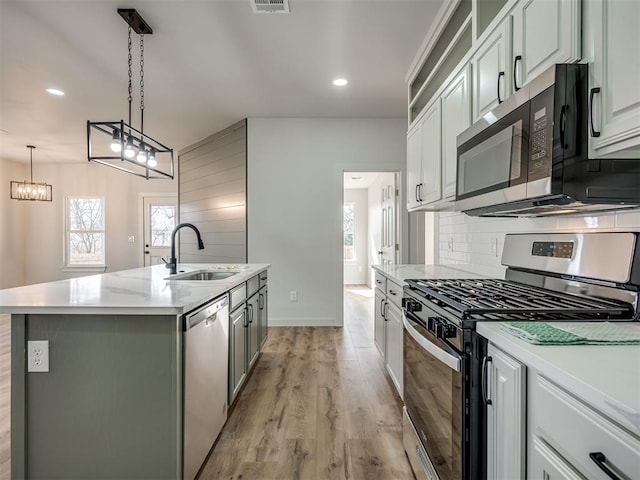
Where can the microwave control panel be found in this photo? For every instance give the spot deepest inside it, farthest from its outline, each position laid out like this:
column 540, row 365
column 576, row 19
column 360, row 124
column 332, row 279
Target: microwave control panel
column 540, row 135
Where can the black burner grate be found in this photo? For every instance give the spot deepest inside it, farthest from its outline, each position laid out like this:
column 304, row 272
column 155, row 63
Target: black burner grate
column 501, row 300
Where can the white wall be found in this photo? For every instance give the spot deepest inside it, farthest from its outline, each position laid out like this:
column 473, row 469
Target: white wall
column 355, row 271
column 43, row 233
column 12, row 226
column 475, row 244
column 295, row 187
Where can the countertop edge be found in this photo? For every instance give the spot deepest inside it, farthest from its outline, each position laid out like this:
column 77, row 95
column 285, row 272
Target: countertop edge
column 611, row 407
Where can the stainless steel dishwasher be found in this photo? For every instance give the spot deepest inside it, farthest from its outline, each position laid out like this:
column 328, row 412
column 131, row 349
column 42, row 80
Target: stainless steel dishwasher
column 206, row 350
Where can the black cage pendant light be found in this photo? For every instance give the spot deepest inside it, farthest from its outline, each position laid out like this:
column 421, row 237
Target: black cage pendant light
column 118, row 144
column 32, row 191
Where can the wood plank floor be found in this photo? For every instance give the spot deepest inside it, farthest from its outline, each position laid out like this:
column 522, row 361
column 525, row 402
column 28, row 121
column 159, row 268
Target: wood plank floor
column 319, row 405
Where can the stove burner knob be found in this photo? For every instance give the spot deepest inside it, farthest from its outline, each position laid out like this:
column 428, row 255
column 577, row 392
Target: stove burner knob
column 432, row 323
column 411, row 305
column 444, row 329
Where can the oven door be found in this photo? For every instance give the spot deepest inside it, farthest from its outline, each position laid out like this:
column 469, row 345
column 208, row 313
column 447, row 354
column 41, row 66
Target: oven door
column 433, row 396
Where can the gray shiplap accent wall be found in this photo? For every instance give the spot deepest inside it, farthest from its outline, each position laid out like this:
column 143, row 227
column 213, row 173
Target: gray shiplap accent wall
column 212, row 194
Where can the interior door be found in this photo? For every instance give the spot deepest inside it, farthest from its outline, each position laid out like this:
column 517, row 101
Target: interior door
column 159, row 221
column 389, row 221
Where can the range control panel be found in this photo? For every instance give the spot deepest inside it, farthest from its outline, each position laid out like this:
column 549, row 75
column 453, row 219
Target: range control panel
column 552, row 249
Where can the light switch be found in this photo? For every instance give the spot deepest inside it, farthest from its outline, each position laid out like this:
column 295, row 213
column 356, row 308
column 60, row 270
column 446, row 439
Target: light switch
column 132, row 239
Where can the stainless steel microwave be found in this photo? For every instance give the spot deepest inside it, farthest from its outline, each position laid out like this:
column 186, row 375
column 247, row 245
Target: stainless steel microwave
column 530, row 155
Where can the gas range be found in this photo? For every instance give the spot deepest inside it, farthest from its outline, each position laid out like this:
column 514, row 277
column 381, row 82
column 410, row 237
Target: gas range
column 549, row 277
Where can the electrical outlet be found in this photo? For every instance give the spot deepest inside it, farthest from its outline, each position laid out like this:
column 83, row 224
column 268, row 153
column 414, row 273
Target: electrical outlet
column 293, row 296
column 132, row 239
column 37, row 356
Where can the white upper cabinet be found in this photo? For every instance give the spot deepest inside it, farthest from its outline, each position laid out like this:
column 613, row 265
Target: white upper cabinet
column 430, row 187
column 615, row 77
column 544, row 32
column 456, row 117
column 414, row 166
column 491, row 70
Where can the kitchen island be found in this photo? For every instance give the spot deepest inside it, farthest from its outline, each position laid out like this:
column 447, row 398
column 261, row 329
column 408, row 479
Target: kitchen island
column 111, row 403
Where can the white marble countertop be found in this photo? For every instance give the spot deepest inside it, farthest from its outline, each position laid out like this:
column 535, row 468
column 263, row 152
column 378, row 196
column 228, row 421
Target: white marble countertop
column 400, row 273
column 139, row 291
column 605, row 376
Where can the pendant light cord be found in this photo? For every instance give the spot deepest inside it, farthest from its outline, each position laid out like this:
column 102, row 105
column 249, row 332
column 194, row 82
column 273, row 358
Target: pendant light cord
column 31, row 147
column 130, row 98
column 142, row 84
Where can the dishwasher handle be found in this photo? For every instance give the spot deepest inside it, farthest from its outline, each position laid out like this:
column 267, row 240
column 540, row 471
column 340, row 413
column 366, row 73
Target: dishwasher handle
column 208, row 313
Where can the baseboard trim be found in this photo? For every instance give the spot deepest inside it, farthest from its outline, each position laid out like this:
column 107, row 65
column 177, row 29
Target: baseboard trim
column 303, row 322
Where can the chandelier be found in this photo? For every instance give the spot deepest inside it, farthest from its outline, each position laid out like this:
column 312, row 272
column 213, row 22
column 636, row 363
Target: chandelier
column 117, row 143
column 31, row 190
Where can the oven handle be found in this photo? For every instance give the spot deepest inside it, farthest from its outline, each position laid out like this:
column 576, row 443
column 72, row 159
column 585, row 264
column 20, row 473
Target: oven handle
column 449, row 360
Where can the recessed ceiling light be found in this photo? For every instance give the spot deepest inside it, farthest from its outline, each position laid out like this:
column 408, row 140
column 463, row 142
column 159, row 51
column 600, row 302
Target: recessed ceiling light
column 356, row 178
column 55, row 91
column 340, row 82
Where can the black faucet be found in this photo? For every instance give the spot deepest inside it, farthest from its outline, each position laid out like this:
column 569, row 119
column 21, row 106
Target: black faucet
column 172, row 264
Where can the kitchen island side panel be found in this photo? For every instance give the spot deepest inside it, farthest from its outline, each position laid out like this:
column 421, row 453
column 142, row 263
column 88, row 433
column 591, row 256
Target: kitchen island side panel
column 110, row 405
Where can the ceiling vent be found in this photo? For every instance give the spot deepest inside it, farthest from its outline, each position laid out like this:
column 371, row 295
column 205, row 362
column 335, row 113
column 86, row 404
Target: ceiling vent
column 270, row 6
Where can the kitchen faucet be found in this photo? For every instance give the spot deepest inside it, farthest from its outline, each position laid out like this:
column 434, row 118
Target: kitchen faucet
column 172, row 264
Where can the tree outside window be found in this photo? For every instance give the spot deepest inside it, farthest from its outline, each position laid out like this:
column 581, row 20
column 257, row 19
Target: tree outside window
column 349, row 233
column 85, row 231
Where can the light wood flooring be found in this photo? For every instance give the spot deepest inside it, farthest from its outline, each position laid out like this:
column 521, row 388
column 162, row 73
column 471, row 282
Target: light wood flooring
column 318, row 405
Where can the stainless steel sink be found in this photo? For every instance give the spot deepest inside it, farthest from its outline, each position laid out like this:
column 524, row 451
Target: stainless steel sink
column 203, row 275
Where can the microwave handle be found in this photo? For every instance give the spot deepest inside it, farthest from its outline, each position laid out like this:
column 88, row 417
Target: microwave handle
column 515, row 65
column 593, row 91
column 447, row 358
column 501, row 74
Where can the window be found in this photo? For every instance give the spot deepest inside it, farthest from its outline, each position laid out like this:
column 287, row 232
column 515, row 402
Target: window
column 348, row 230
column 85, row 231
column 163, row 220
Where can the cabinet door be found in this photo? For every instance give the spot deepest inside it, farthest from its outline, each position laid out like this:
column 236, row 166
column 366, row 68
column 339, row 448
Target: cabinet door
column 378, row 322
column 616, row 71
column 253, row 347
column 431, row 184
column 547, row 465
column 506, row 416
column 263, row 317
column 491, row 71
column 545, row 32
column 237, row 351
column 456, row 117
column 394, row 345
column 414, row 166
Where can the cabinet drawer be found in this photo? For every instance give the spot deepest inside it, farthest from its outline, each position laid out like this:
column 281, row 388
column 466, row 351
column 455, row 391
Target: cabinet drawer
column 394, row 293
column 578, row 433
column 381, row 281
column 253, row 284
column 548, row 465
column 237, row 296
column 263, row 278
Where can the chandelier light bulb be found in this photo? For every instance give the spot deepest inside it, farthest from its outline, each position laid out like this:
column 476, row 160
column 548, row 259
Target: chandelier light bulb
column 129, row 151
column 116, row 144
column 142, row 154
column 151, row 157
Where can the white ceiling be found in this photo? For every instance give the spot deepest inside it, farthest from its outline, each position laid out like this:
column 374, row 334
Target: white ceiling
column 359, row 179
column 208, row 64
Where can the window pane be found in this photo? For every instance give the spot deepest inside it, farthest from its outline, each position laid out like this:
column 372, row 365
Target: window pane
column 348, row 218
column 86, row 214
column 163, row 220
column 86, row 248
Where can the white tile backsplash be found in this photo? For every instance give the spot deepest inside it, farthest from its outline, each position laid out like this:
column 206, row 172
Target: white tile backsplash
column 475, row 244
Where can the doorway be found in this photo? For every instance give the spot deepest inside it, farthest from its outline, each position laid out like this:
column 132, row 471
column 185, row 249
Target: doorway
column 159, row 215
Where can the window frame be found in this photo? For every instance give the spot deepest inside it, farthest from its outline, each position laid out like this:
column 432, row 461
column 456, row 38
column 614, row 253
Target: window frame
column 354, row 258
column 88, row 267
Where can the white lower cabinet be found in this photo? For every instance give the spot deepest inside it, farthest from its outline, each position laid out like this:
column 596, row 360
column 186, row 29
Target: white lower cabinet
column 548, row 465
column 394, row 345
column 379, row 331
column 505, row 383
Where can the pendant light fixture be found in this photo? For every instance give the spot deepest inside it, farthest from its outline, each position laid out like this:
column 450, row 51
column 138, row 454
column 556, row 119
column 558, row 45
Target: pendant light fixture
column 118, row 144
column 32, row 191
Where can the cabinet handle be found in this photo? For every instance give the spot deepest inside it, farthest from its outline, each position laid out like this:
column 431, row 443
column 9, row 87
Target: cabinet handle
column 420, row 192
column 250, row 313
column 391, row 292
column 593, row 91
column 382, row 307
column 515, row 63
column 384, row 313
column 485, row 362
column 563, row 122
column 417, row 187
column 245, row 321
column 601, row 461
column 501, row 74
column 261, row 301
